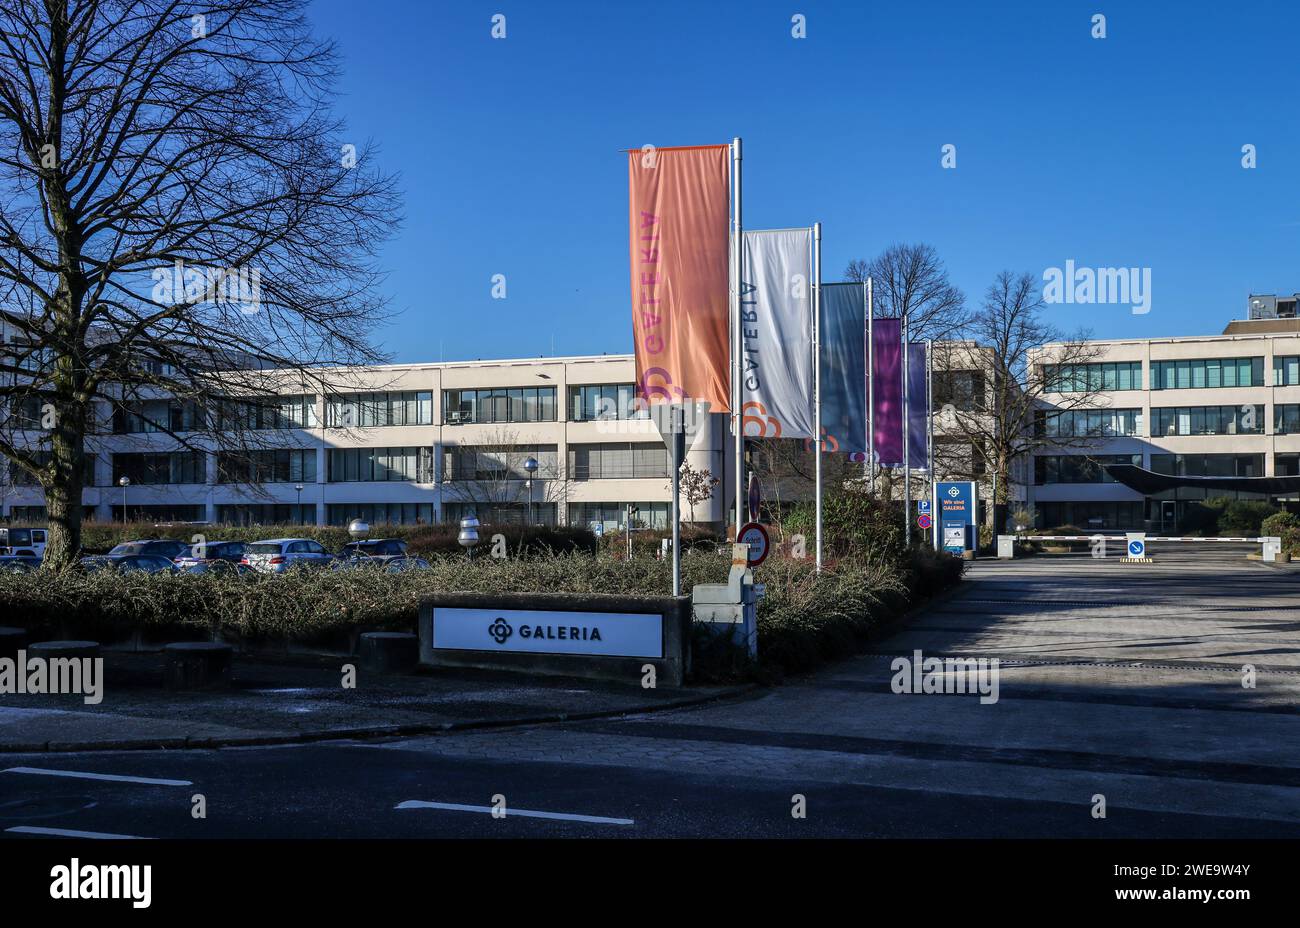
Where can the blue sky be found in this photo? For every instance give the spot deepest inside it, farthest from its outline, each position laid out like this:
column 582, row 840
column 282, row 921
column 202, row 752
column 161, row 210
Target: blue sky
column 1115, row 152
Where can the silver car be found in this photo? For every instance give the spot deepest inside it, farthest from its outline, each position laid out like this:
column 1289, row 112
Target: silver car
column 277, row 555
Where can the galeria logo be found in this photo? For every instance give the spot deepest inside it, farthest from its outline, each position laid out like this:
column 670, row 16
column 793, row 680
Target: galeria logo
column 500, row 630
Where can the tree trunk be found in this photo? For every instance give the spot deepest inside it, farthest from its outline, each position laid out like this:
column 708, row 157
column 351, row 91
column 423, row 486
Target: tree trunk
column 63, row 491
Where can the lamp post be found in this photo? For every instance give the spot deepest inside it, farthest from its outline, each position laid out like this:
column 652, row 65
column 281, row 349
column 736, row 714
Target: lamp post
column 468, row 536
column 298, row 514
column 530, row 466
column 124, row 482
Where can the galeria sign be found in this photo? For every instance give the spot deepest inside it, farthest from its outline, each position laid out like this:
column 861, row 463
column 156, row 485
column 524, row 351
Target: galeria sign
column 529, row 631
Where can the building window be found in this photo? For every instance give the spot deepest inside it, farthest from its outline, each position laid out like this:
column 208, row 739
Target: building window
column 618, row 460
column 965, row 391
column 1092, row 423
column 466, row 462
column 277, row 412
column 349, row 465
column 1092, row 515
column 1286, row 419
column 267, row 514
column 380, row 513
column 149, row 416
column 1286, row 371
column 499, row 404
column 1208, row 465
column 502, row 513
column 1078, row 468
column 161, row 513
column 283, row 465
column 165, row 468
column 1196, row 373
column 1084, row 378
column 378, row 410
column 1247, row 419
column 20, row 477
column 612, row 517
column 598, row 402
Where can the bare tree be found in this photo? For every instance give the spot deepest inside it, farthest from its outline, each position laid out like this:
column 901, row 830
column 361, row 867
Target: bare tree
column 490, row 475
column 1036, row 381
column 177, row 206
column 911, row 281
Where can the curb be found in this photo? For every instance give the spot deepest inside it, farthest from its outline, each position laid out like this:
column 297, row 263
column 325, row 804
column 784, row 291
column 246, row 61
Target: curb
column 364, row 733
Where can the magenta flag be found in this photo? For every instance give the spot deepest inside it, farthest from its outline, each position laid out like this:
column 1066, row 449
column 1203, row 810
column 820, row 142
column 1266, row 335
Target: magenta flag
column 918, row 407
column 887, row 390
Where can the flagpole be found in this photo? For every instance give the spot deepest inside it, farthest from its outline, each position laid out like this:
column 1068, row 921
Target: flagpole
column 929, row 422
column 907, row 434
column 737, row 336
column 869, row 469
column 817, row 383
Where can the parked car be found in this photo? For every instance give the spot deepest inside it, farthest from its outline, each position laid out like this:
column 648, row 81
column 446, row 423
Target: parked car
column 277, row 555
column 169, row 548
column 28, row 542
column 224, row 551
column 129, row 563
column 214, row 566
column 374, row 547
column 19, row 562
column 398, row 565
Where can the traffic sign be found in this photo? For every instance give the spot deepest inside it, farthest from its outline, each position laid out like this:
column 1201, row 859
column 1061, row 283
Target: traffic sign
column 924, row 520
column 754, row 535
column 923, row 506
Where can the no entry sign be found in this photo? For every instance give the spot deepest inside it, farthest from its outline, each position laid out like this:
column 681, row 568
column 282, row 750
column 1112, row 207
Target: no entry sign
column 754, row 535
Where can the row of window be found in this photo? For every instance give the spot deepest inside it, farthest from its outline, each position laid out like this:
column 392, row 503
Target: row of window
column 371, row 410
column 1078, row 468
column 1247, row 419
column 1188, row 374
column 1195, row 373
column 1091, row 423
column 1049, row 469
column 1083, row 378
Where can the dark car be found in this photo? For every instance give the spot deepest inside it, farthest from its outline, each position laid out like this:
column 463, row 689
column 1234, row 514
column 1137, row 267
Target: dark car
column 224, row 551
column 129, row 563
column 20, row 562
column 190, row 567
column 169, row 548
column 376, row 547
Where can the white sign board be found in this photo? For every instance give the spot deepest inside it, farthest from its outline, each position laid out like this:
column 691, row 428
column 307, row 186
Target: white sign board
column 1137, row 544
column 528, row 631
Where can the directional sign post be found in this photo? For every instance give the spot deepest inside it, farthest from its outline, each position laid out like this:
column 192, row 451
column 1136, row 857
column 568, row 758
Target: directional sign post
column 1136, row 548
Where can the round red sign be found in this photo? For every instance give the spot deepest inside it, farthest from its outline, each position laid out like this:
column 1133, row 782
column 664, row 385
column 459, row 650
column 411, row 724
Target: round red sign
column 754, row 535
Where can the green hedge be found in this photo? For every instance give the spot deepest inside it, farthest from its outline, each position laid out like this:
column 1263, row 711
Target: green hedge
column 804, row 618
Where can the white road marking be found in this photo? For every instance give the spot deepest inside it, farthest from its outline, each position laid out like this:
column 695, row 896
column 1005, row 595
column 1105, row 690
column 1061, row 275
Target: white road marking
column 81, row 775
column 69, row 833
column 521, row 813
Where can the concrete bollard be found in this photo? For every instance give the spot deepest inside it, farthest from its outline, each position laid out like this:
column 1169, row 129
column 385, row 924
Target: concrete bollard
column 197, row 665
column 12, row 640
column 389, row 652
column 50, row 650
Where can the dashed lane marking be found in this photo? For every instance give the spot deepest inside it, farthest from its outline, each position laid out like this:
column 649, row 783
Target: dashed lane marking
column 521, row 813
column 83, row 775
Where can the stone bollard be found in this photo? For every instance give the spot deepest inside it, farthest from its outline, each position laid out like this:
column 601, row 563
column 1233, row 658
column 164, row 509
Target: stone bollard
column 389, row 652
column 12, row 640
column 197, row 665
column 50, row 650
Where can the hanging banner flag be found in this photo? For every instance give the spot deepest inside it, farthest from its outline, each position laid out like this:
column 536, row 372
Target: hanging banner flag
column 678, row 201
column 887, row 387
column 918, row 407
column 844, row 366
column 776, row 321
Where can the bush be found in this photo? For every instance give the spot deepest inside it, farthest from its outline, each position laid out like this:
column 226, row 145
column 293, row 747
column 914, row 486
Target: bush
column 1286, row 526
column 854, row 525
column 1244, row 517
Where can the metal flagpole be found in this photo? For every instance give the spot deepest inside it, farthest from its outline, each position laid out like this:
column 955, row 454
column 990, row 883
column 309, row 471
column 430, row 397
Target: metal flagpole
column 738, row 344
column 929, row 433
column 817, row 383
column 907, row 434
column 869, row 470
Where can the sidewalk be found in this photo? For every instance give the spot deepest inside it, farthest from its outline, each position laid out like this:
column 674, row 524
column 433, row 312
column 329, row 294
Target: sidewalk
column 278, row 701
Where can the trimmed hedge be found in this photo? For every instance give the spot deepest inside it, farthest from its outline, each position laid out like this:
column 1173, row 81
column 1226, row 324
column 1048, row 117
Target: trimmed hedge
column 804, row 618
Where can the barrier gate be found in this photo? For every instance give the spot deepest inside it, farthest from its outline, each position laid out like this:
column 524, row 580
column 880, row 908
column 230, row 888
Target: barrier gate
column 1270, row 550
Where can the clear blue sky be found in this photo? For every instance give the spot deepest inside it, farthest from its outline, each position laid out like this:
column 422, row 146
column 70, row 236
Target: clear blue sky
column 1124, row 151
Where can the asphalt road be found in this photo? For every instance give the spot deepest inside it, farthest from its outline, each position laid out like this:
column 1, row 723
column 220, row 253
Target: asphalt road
column 1115, row 681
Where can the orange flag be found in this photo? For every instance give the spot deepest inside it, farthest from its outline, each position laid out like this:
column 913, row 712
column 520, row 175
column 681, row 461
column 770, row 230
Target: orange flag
column 678, row 236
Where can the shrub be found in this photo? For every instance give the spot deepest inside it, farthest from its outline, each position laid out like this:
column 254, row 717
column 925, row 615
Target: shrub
column 1286, row 526
column 854, row 525
column 1244, row 517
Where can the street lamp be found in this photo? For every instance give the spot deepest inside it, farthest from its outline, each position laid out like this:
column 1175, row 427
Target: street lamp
column 298, row 514
column 468, row 536
column 530, row 465
column 124, row 482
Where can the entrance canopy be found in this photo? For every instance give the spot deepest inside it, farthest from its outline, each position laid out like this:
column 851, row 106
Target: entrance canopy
column 1149, row 482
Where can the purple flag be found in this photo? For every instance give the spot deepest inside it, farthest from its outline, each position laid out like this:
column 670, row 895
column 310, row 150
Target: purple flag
column 918, row 412
column 887, row 390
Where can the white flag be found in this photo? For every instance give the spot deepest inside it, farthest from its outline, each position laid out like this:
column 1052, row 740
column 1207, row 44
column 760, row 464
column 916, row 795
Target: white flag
column 776, row 319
